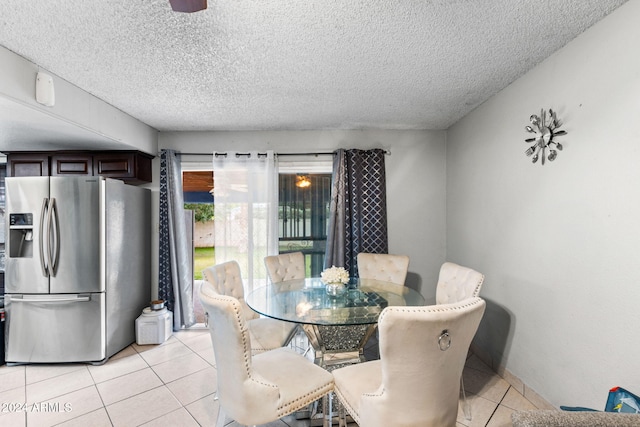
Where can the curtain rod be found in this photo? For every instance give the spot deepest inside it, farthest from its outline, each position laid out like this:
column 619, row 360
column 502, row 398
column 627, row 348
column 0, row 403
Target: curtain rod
column 388, row 152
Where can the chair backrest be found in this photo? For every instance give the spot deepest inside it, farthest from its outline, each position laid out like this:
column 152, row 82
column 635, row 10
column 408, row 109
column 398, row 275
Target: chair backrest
column 285, row 266
column 385, row 267
column 422, row 354
column 457, row 283
column 239, row 391
column 226, row 279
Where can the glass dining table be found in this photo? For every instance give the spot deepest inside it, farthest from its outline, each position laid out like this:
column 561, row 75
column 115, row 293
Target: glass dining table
column 338, row 327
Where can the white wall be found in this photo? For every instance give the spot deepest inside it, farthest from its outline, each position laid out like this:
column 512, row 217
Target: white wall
column 558, row 243
column 415, row 181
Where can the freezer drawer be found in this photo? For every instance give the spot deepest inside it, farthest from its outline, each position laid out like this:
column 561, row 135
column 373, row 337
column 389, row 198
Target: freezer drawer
column 55, row 328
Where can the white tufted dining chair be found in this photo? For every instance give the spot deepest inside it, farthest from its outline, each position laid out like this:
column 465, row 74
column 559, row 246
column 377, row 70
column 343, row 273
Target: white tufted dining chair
column 256, row 389
column 385, row 267
column 266, row 334
column 283, row 267
column 416, row 381
column 456, row 283
column 289, row 266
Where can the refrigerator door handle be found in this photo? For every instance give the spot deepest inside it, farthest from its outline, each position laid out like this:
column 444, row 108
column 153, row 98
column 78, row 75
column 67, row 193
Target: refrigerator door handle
column 54, row 233
column 43, row 231
column 77, row 298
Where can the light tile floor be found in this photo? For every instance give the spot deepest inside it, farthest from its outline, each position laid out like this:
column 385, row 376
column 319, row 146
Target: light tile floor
column 173, row 384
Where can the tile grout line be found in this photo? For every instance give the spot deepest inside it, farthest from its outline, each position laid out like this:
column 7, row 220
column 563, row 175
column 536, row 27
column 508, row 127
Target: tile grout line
column 498, row 405
column 104, row 405
column 148, row 366
column 165, row 384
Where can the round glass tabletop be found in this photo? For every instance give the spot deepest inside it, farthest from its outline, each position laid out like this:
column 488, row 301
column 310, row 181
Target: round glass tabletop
column 306, row 301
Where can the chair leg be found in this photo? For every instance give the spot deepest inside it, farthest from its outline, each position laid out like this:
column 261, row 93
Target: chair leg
column 221, row 418
column 342, row 415
column 220, row 422
column 292, row 334
column 466, row 406
column 326, row 410
column 293, row 341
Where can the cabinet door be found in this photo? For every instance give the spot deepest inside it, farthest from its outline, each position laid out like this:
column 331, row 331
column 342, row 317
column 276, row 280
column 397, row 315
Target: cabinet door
column 71, row 164
column 130, row 167
column 36, row 164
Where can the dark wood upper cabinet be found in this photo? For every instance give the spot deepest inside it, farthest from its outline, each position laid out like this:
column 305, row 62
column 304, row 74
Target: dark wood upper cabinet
column 131, row 166
column 23, row 164
column 134, row 167
column 71, row 164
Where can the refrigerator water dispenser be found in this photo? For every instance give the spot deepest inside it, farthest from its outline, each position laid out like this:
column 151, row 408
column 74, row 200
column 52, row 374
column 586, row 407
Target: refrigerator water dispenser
column 21, row 235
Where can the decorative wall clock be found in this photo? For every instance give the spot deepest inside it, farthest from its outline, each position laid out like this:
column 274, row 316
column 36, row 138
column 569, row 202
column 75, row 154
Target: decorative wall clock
column 545, row 127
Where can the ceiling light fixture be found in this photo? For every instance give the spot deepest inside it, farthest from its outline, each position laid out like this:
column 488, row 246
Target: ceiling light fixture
column 546, row 129
column 188, row 6
column 303, row 181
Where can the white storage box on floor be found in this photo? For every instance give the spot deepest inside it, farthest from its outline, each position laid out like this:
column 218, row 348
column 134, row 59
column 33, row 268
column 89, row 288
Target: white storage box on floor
column 154, row 326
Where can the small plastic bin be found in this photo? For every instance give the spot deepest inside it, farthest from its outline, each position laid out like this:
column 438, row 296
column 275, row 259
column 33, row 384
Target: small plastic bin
column 154, row 326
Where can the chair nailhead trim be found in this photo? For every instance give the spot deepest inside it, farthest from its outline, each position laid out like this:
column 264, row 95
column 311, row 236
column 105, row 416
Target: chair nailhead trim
column 305, row 400
column 428, row 308
column 238, row 313
column 476, row 291
column 349, row 408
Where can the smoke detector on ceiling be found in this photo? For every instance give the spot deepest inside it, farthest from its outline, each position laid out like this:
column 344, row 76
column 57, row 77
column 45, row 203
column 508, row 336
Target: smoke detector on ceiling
column 45, row 93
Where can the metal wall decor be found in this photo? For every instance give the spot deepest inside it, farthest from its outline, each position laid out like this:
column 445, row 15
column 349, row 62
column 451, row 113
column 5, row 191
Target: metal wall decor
column 545, row 127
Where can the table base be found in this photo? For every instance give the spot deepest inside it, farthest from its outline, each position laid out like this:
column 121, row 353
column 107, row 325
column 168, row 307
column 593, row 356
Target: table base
column 334, row 347
column 338, row 345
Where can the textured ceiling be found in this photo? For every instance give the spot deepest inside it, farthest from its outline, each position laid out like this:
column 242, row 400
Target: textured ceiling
column 283, row 64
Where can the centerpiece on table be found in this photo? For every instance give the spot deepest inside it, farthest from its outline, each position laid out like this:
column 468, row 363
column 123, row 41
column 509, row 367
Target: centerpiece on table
column 335, row 280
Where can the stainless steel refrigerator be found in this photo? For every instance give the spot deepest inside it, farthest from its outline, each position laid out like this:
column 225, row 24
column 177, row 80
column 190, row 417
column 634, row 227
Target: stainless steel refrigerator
column 77, row 267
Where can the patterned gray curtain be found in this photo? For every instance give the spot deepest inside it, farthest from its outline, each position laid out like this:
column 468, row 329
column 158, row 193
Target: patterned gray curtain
column 175, row 284
column 358, row 213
